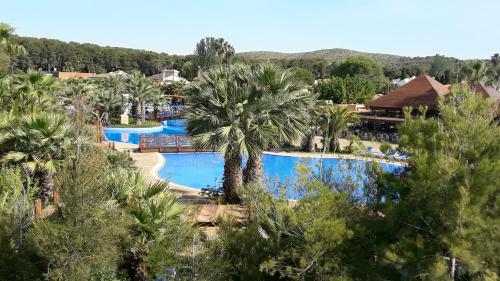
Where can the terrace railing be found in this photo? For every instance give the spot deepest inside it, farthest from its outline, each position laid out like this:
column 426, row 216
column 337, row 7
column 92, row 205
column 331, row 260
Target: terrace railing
column 165, row 143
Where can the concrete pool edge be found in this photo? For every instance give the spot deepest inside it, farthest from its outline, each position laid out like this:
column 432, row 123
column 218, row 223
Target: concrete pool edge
column 134, row 130
column 155, row 173
column 335, row 156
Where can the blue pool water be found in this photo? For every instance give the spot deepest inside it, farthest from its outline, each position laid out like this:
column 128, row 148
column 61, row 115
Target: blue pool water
column 199, row 170
column 131, row 135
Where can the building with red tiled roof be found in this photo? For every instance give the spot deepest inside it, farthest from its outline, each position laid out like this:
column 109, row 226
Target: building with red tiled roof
column 487, row 92
column 421, row 91
column 67, row 75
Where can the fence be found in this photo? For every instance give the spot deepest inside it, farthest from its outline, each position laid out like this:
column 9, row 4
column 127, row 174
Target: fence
column 165, row 143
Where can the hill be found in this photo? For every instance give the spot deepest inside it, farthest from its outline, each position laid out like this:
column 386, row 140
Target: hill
column 337, row 54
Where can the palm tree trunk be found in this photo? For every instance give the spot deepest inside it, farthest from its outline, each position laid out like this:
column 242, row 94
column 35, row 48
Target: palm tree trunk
column 143, row 111
column 334, row 145
column 138, row 113
column 232, row 178
column 310, row 143
column 105, row 118
column 135, row 267
column 47, row 186
column 253, row 169
column 155, row 113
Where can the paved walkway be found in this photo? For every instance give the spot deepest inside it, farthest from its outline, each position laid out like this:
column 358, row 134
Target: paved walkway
column 150, row 163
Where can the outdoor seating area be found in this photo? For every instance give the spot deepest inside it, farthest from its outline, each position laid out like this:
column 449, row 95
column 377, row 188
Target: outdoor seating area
column 391, row 154
column 381, row 134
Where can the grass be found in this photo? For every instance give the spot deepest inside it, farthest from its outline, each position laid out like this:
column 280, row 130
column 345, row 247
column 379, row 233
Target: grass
column 145, row 124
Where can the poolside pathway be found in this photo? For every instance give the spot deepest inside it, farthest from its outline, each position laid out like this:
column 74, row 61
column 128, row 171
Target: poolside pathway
column 149, row 163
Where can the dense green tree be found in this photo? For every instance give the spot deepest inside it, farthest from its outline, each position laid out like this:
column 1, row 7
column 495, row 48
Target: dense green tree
column 346, row 90
column 50, row 54
column 359, row 66
column 442, row 212
column 83, row 237
column 18, row 258
column 8, row 48
column 440, row 68
column 304, row 75
column 210, row 51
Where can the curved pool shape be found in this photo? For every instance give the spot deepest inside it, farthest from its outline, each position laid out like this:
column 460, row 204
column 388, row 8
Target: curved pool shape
column 205, row 169
column 131, row 135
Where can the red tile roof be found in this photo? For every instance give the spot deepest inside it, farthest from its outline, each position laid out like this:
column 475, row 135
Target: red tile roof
column 487, row 91
column 421, row 91
column 67, row 75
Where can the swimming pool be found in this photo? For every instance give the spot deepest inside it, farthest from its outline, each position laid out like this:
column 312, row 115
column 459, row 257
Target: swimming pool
column 205, row 169
column 131, row 135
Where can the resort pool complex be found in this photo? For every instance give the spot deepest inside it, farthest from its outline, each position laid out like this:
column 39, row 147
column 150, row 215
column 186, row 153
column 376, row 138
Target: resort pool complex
column 200, row 170
column 131, row 135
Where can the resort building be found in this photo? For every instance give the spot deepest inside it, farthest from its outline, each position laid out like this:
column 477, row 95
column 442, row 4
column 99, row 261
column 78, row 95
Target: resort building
column 167, row 76
column 387, row 112
column 421, row 91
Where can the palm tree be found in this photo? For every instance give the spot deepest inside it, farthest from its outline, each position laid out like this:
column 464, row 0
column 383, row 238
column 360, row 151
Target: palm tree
column 6, row 33
column 280, row 104
column 140, row 90
column 155, row 209
column 38, row 142
column 476, row 72
column 34, row 90
column 106, row 102
column 333, row 122
column 218, row 113
column 495, row 59
column 224, row 50
column 117, row 85
column 315, row 113
column 241, row 112
column 158, row 99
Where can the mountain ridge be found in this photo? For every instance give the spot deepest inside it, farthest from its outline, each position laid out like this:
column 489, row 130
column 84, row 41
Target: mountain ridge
column 337, row 54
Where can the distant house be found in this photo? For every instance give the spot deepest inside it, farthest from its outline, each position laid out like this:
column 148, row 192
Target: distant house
column 167, row 76
column 113, row 73
column 67, row 75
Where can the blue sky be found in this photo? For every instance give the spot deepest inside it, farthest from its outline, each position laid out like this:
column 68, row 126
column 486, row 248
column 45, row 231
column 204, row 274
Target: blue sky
column 459, row 28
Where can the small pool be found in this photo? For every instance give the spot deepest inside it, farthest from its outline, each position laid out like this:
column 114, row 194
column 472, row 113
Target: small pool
column 131, row 135
column 199, row 170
